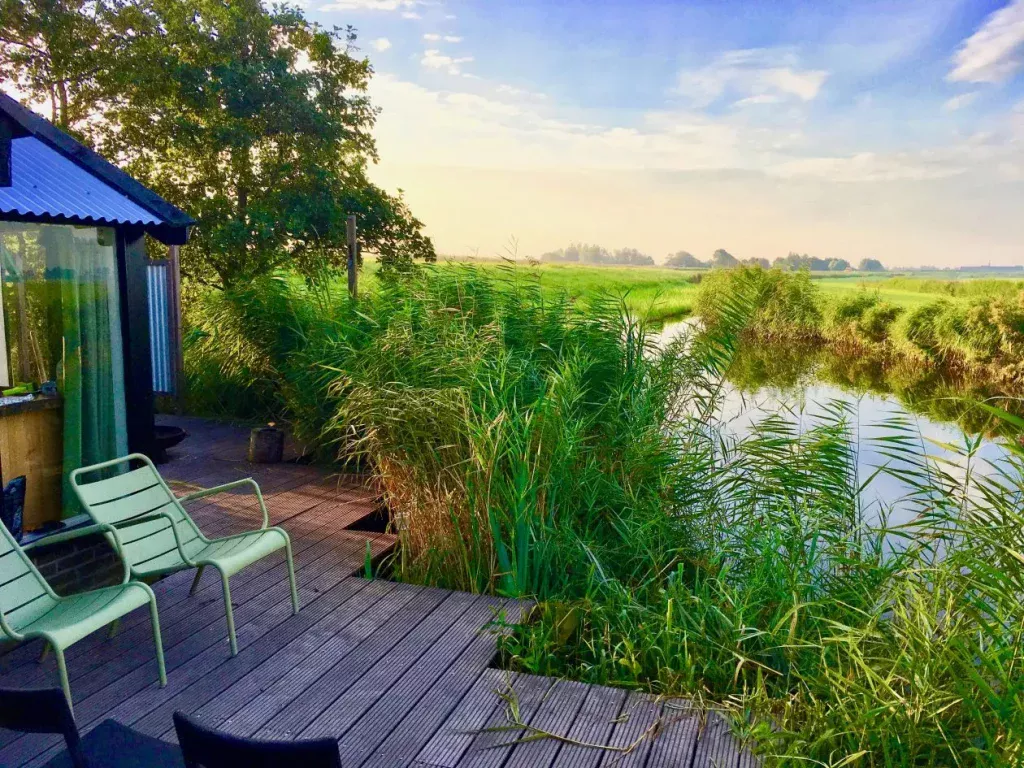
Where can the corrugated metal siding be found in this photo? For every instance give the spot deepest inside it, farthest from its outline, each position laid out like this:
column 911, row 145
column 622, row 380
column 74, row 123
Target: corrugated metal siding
column 158, row 276
column 45, row 183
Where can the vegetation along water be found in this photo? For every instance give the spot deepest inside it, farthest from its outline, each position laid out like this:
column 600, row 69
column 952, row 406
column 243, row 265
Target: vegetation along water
column 536, row 447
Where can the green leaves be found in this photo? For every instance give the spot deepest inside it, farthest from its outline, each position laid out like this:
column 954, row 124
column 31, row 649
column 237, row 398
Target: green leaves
column 247, row 115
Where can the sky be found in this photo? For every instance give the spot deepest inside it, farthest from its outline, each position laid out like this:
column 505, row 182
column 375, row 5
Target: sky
column 854, row 129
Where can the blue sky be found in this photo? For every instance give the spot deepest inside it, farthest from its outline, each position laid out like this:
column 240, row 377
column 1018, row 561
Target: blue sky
column 846, row 129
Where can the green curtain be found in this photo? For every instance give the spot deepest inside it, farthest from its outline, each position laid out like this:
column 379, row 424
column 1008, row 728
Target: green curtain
column 82, row 267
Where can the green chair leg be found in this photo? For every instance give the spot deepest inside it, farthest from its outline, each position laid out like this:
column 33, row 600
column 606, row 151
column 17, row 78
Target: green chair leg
column 43, row 653
column 158, row 640
column 62, row 670
column 291, row 575
column 113, row 628
column 229, row 610
column 195, row 581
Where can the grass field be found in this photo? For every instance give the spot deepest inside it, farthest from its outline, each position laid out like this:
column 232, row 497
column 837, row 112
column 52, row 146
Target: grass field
column 669, row 294
column 657, row 294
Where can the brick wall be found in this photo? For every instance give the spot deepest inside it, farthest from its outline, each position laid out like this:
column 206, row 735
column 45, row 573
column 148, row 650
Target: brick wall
column 78, row 565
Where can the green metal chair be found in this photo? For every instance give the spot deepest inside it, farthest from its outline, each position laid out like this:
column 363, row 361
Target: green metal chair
column 30, row 609
column 160, row 538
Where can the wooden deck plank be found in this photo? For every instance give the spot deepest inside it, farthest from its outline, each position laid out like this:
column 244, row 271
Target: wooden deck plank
column 446, row 747
column 393, row 705
column 375, row 602
column 423, row 721
column 593, row 727
column 494, row 743
column 245, row 711
column 555, row 716
column 638, row 717
column 354, row 687
column 716, row 747
column 677, row 742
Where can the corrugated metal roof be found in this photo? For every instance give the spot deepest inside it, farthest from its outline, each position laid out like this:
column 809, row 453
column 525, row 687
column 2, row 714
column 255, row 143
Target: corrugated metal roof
column 45, row 183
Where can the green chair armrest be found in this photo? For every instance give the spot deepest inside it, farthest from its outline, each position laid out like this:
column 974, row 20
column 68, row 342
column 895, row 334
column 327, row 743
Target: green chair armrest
column 87, row 530
column 227, row 487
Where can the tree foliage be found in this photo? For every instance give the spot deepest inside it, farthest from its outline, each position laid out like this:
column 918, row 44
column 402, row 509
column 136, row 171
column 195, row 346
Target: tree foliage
column 57, row 51
column 871, row 265
column 582, row 253
column 684, row 260
column 722, row 258
column 252, row 118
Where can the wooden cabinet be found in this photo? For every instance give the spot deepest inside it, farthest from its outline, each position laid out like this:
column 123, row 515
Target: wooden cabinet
column 32, row 444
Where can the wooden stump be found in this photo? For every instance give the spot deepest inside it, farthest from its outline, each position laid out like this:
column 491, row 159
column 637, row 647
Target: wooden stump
column 266, row 445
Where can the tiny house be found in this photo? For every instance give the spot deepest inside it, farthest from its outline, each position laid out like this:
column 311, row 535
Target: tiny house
column 75, row 358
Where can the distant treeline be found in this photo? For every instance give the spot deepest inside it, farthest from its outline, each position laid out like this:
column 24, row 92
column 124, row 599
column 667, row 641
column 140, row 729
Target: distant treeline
column 582, row 253
column 793, row 262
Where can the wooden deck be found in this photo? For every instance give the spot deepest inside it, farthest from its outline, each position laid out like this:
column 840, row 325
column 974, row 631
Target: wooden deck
column 401, row 675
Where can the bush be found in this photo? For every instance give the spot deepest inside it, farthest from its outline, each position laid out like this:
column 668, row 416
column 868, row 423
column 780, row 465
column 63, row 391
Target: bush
column 877, row 320
column 786, row 304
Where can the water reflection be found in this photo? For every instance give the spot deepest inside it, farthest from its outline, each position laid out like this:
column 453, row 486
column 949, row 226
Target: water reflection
column 798, row 380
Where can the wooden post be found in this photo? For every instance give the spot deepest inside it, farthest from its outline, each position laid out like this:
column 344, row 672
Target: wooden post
column 350, row 232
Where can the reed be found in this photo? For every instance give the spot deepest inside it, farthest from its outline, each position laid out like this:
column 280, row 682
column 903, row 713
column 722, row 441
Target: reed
column 533, row 448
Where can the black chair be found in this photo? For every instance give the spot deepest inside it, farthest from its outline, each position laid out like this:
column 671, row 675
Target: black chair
column 205, row 747
column 108, row 745
column 42, row 710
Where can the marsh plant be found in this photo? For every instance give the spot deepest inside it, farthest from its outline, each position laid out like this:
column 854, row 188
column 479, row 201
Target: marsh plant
column 534, row 448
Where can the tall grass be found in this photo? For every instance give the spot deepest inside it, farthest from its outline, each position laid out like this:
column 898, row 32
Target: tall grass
column 534, row 449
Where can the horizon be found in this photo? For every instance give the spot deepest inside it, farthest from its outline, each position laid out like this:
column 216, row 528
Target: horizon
column 843, row 131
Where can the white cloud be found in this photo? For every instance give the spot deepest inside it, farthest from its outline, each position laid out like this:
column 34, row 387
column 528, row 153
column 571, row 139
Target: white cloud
column 370, row 5
column 411, row 15
column 434, row 59
column 761, row 98
column 871, row 166
column 381, row 44
column 752, row 74
column 433, row 37
column 518, row 93
column 993, row 53
column 959, row 102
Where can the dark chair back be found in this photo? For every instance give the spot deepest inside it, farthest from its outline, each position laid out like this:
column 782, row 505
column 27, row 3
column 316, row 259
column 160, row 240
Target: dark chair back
column 207, row 748
column 41, row 710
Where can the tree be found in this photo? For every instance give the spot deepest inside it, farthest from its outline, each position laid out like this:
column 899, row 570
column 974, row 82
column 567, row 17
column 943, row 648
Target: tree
column 754, row 261
column 253, row 119
column 56, row 50
column 871, row 265
column 838, row 265
column 633, row 257
column 685, row 260
column 722, row 258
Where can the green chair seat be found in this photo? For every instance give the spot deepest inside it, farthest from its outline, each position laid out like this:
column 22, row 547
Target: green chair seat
column 76, row 616
column 158, row 536
column 30, row 609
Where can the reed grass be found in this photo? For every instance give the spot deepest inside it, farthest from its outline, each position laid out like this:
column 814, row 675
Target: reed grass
column 534, row 448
